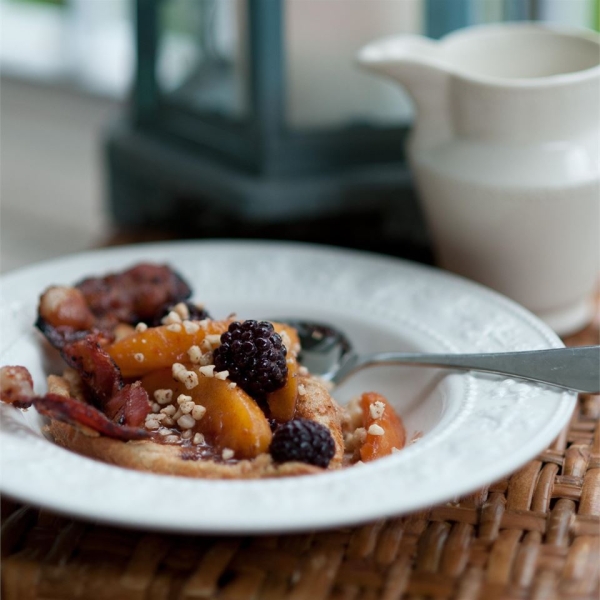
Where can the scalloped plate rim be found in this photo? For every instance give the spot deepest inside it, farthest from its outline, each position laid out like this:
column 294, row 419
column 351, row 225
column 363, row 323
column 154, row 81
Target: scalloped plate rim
column 342, row 485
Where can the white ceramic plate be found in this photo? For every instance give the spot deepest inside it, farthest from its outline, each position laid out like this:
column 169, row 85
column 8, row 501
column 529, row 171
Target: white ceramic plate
column 475, row 428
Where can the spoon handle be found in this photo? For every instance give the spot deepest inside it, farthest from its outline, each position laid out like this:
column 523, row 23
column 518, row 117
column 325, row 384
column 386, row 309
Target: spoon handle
column 575, row 369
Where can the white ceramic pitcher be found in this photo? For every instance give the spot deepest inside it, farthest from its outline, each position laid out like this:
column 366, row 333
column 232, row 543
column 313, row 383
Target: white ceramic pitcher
column 505, row 154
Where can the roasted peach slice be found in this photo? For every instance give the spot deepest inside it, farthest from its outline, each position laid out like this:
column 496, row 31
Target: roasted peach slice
column 282, row 402
column 385, row 430
column 232, row 418
column 160, row 347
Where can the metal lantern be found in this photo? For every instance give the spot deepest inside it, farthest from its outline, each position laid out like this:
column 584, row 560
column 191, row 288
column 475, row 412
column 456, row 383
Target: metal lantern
column 242, row 115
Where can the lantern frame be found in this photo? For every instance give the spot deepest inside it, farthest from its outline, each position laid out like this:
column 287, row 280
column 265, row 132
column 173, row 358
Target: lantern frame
column 260, row 143
column 165, row 158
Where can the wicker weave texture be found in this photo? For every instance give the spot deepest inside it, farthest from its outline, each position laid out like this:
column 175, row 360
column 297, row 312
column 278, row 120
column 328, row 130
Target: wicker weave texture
column 534, row 535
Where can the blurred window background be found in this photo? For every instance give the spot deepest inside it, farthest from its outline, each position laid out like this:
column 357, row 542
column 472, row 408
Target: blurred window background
column 85, row 42
column 68, row 67
column 90, row 42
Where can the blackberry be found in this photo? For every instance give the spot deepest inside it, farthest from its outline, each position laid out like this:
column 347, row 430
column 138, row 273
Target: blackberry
column 195, row 313
column 303, row 440
column 254, row 355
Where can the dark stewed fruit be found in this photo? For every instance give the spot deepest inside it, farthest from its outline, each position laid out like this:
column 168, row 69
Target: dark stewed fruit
column 254, row 355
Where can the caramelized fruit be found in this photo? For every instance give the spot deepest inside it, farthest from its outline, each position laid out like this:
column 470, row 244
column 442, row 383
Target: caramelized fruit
column 305, row 441
column 254, row 355
column 394, row 435
column 159, row 347
column 232, row 419
column 282, row 402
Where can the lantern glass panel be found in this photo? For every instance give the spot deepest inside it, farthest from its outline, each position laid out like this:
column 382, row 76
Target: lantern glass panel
column 324, row 87
column 202, row 56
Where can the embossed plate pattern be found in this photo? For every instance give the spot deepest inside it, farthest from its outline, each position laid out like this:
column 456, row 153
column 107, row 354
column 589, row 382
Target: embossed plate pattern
column 477, row 428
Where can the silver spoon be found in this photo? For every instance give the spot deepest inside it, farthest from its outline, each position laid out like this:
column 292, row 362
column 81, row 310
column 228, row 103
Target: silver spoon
column 328, row 353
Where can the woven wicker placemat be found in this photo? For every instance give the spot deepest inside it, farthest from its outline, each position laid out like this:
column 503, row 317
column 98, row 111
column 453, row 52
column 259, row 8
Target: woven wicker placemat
column 534, row 535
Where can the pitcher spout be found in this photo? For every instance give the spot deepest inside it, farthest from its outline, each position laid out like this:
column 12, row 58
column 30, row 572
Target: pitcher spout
column 414, row 62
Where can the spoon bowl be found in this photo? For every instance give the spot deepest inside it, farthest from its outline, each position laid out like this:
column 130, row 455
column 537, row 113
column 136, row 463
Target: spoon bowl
column 324, row 348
